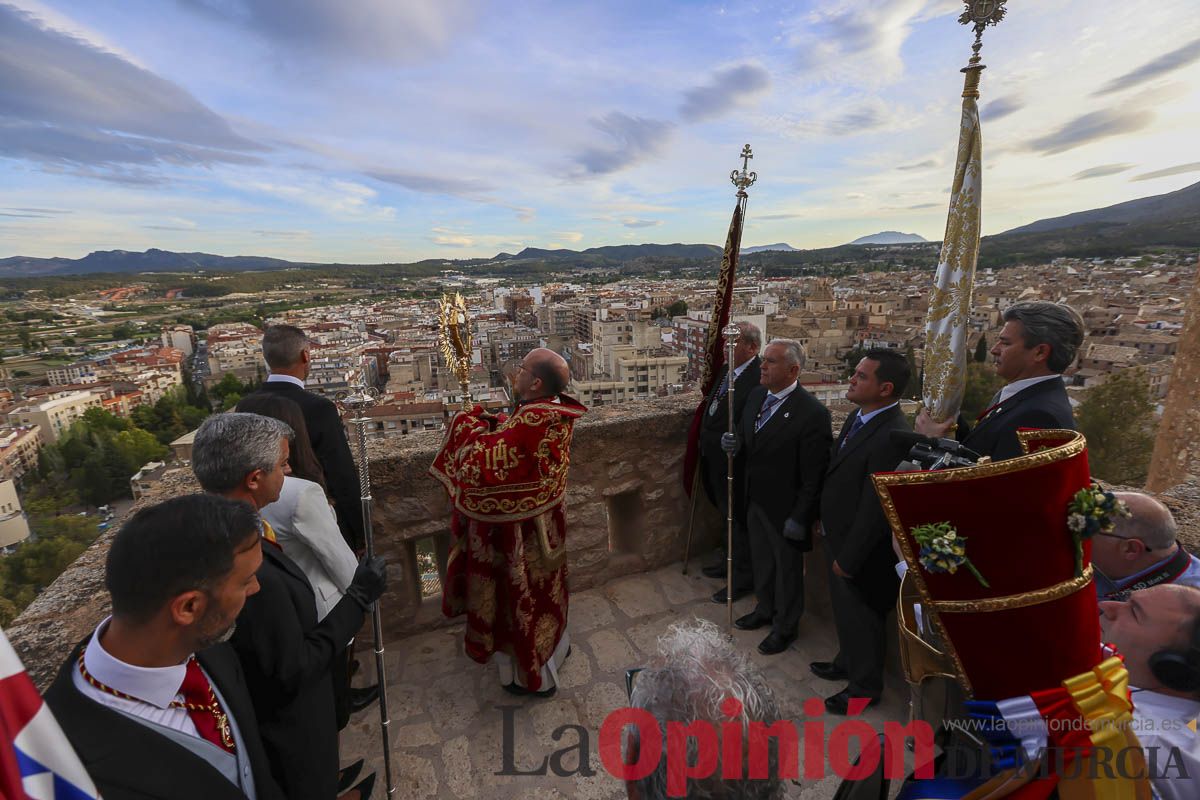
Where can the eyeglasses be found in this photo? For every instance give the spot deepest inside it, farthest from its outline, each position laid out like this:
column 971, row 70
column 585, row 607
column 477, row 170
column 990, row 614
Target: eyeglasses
column 1147, row 547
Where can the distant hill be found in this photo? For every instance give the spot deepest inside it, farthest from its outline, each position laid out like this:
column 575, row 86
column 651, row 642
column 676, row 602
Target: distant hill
column 616, row 253
column 890, row 237
column 152, row 260
column 1179, row 205
column 778, row 247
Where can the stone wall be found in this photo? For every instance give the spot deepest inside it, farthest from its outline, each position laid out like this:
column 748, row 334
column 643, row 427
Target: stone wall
column 626, row 511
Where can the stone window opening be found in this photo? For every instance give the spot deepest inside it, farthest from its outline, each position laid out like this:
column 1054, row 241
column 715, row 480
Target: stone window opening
column 626, row 511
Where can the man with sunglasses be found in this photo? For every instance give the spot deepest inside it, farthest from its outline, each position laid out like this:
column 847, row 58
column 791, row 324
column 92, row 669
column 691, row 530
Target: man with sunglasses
column 1141, row 551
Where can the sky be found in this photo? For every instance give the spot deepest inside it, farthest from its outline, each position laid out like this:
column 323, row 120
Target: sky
column 367, row 131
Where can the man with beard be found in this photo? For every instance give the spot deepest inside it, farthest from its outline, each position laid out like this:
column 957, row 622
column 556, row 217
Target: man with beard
column 154, row 702
column 286, row 653
column 507, row 569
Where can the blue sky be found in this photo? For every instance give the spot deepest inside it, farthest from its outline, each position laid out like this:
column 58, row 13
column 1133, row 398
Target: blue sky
column 395, row 130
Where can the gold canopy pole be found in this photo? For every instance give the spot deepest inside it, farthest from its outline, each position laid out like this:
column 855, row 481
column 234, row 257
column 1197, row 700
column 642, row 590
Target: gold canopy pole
column 455, row 339
column 948, row 323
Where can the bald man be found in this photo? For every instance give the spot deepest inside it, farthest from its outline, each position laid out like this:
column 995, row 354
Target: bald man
column 1141, row 551
column 507, row 570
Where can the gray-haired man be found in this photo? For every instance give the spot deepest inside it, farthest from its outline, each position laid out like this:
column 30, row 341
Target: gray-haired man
column 286, row 653
column 1037, row 344
column 1141, row 551
column 787, row 435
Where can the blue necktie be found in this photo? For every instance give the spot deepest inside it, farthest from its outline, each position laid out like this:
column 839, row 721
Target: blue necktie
column 763, row 414
column 855, row 427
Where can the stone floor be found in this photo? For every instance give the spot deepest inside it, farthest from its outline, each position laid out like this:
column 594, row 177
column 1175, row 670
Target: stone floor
column 446, row 719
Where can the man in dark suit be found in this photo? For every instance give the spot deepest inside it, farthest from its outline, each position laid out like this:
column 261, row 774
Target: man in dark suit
column 179, row 574
column 287, row 352
column 857, row 539
column 286, row 653
column 714, row 464
column 786, row 441
column 1038, row 342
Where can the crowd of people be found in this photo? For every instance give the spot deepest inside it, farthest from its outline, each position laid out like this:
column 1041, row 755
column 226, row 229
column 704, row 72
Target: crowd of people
column 225, row 668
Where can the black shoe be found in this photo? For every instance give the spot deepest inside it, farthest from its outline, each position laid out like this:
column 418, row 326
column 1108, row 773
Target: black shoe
column 720, row 598
column 714, row 571
column 827, row 671
column 840, row 703
column 775, row 643
column 751, row 622
column 365, row 788
column 346, row 776
column 362, row 698
column 521, row 691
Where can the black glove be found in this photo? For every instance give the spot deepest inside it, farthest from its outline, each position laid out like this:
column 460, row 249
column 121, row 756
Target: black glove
column 730, row 443
column 370, row 579
column 795, row 532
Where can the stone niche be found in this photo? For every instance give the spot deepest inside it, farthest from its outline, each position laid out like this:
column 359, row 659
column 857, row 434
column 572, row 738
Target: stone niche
column 626, row 512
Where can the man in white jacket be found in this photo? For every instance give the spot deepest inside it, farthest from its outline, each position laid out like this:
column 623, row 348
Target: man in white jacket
column 307, row 530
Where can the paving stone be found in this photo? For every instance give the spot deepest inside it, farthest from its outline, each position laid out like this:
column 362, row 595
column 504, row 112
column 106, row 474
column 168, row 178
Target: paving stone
column 404, row 701
column 451, row 708
column 432, row 653
column 613, row 652
column 456, row 767
column 549, row 715
column 636, row 597
column 602, row 700
column 680, row 589
column 414, row 776
column 576, row 671
column 588, row 611
column 413, row 736
column 645, row 635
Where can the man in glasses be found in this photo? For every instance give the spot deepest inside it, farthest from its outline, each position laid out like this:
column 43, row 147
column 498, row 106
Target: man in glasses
column 1141, row 551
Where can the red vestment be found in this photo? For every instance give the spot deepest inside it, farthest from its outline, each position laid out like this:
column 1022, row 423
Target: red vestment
column 507, row 569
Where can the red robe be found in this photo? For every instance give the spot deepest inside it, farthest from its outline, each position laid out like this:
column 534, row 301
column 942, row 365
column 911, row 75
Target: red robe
column 507, row 569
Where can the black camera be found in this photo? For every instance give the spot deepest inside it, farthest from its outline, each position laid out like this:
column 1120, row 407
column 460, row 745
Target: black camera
column 927, row 454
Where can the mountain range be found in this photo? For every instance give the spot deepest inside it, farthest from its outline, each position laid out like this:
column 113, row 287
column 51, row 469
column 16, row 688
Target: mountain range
column 890, row 237
column 1171, row 219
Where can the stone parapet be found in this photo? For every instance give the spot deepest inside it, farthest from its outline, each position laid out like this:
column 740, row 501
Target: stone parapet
column 627, row 512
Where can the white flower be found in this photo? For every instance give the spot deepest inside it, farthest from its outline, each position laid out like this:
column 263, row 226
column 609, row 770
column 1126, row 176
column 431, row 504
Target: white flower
column 1077, row 523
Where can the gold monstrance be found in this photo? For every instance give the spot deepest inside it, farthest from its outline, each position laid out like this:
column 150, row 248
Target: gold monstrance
column 455, row 338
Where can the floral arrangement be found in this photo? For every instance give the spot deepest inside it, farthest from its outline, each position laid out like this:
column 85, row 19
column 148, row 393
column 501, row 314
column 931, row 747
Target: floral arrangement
column 1092, row 510
column 943, row 550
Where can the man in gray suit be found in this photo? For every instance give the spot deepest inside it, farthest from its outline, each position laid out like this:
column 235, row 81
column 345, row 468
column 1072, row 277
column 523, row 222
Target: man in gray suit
column 786, row 433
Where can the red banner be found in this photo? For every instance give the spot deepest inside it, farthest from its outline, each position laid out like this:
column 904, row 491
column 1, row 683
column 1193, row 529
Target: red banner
column 714, row 341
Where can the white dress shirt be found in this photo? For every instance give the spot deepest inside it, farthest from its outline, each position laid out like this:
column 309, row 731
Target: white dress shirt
column 273, row 378
column 1161, row 722
column 155, row 687
column 1012, row 388
column 782, row 395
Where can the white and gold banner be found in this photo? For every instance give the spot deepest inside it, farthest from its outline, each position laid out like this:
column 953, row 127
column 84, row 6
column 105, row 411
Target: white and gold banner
column 947, row 324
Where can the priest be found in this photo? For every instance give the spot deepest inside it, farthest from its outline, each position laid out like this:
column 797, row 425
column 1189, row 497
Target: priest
column 507, row 569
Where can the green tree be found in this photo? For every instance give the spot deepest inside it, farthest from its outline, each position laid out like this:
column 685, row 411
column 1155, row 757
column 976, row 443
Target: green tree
column 1117, row 417
column 981, row 349
column 982, row 385
column 136, row 448
column 916, row 378
column 678, row 309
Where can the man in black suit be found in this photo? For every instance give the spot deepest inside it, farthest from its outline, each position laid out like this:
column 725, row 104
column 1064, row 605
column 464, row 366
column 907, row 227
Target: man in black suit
column 786, row 441
column 287, row 352
column 286, row 653
column 714, row 464
column 857, row 539
column 1038, row 342
column 179, row 574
